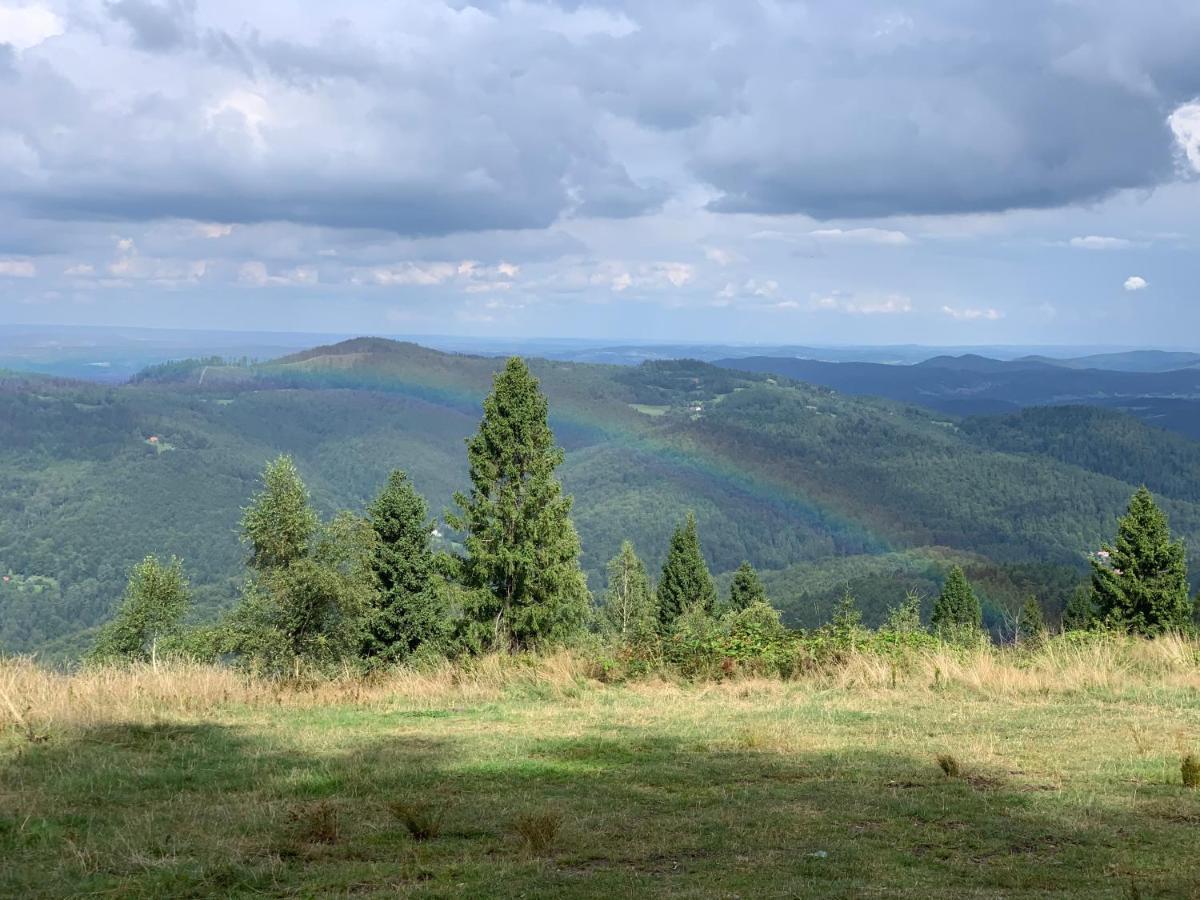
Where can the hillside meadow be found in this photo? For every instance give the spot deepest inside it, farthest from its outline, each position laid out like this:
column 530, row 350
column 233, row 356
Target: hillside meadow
column 932, row 773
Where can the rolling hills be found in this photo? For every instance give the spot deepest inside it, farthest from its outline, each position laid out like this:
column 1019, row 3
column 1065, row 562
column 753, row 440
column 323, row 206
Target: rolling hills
column 818, row 489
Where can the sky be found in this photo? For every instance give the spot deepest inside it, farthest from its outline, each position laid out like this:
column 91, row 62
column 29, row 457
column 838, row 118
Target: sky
column 950, row 171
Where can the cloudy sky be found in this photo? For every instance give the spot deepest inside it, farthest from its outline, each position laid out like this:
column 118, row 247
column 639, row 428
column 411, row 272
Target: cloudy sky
column 948, row 171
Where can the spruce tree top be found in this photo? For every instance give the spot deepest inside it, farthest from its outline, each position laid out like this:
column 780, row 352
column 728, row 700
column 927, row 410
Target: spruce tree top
column 746, row 588
column 685, row 581
column 1142, row 585
column 957, row 610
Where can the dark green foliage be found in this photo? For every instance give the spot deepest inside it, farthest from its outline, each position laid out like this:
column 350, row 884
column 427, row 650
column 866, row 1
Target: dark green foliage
column 746, row 588
column 629, row 609
column 1080, row 611
column 1031, row 622
column 155, row 602
column 522, row 548
column 957, row 613
column 1142, row 584
column 409, row 611
column 685, row 583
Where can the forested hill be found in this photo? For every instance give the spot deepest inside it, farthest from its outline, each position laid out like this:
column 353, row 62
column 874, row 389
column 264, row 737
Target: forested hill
column 814, row 487
column 974, row 385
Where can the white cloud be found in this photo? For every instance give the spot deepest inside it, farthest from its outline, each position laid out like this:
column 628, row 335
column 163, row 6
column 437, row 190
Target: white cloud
column 968, row 314
column 860, row 304
column 27, row 26
column 256, row 273
column 1136, row 283
column 1098, row 242
column 213, row 230
column 862, row 235
column 721, row 256
column 17, row 268
column 80, row 269
column 1185, row 125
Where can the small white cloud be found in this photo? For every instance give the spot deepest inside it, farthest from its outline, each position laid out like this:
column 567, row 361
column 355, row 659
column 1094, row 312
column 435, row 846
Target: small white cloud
column 508, row 270
column 721, row 256
column 862, row 235
column 17, row 268
column 1185, row 125
column 256, row 273
column 213, row 230
column 863, row 304
column 1136, row 283
column 80, row 269
column 968, row 314
column 1098, row 242
column 27, row 26
column 622, row 281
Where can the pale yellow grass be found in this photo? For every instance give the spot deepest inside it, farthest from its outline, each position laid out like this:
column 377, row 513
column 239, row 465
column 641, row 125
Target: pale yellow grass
column 32, row 697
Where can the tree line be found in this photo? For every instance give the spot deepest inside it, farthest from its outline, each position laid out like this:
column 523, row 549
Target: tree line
column 376, row 589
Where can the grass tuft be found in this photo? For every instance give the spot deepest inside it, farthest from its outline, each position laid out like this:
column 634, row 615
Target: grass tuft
column 949, row 765
column 1190, row 769
column 423, row 819
column 538, row 829
column 316, row 823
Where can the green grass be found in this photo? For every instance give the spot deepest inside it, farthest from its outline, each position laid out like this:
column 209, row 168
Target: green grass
column 757, row 789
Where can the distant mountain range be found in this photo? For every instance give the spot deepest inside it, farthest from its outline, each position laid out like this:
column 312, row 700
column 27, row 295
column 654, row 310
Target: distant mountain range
column 977, row 385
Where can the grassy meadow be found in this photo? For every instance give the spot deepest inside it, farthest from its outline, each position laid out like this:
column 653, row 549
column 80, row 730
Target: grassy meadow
column 1060, row 774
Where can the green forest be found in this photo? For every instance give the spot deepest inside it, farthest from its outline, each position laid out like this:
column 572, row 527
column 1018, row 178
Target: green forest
column 821, row 493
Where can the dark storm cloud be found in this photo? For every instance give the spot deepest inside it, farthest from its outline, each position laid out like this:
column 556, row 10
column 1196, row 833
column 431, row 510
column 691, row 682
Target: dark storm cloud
column 428, row 119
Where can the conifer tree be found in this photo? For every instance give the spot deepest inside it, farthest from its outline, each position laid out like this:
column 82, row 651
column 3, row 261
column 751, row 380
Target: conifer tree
column 685, row 582
column 1080, row 611
column 1031, row 622
column 956, row 612
column 522, row 548
column 746, row 588
column 156, row 600
column 1141, row 585
column 408, row 611
column 629, row 603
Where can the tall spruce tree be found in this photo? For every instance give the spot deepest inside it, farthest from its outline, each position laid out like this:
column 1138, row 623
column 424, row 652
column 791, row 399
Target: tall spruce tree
column 522, row 548
column 156, row 600
column 956, row 612
column 629, row 602
column 746, row 588
column 1142, row 584
column 409, row 611
column 685, row 583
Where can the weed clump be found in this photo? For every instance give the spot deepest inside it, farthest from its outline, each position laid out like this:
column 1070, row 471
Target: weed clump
column 949, row 765
column 422, row 819
column 316, row 823
column 538, row 829
column 1191, row 771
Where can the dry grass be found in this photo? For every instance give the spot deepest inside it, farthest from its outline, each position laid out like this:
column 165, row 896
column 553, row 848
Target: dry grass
column 33, row 698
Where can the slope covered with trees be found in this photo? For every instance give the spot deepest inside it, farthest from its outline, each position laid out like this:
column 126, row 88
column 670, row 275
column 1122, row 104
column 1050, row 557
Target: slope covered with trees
column 789, row 477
